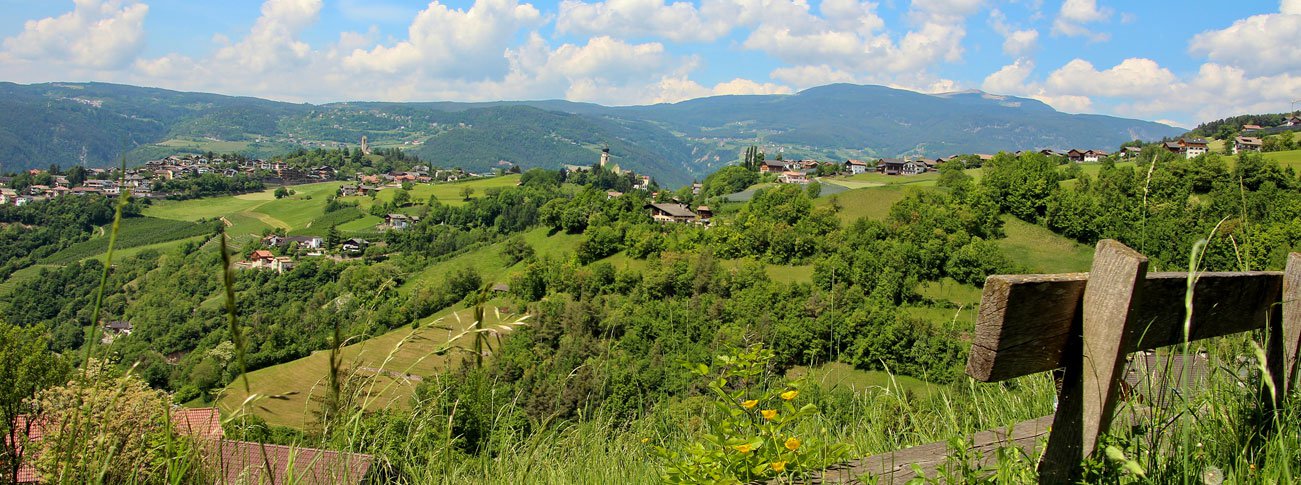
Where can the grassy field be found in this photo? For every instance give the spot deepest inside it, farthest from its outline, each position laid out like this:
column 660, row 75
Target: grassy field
column 134, row 232
column 203, row 145
column 22, row 276
column 398, row 360
column 1290, row 158
column 448, row 193
column 247, row 215
column 1042, row 251
column 948, row 289
column 838, row 374
column 871, row 202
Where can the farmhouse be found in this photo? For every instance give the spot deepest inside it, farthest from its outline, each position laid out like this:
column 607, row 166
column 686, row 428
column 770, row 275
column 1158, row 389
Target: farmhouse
column 354, row 245
column 772, row 166
column 1292, row 120
column 671, row 213
column 398, row 221
column 1189, row 147
column 792, row 177
column 897, row 166
column 303, row 242
column 1094, row 155
column 704, row 214
column 261, row 259
column 1250, row 128
column 1130, row 152
column 855, row 167
column 1246, row 144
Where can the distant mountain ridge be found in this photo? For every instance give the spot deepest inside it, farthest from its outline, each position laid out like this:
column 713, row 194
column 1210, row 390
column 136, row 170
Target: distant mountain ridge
column 96, row 123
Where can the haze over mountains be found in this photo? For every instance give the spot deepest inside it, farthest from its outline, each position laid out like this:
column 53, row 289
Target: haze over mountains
column 96, row 123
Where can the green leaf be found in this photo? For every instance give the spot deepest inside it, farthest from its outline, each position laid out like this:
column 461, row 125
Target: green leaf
column 758, row 470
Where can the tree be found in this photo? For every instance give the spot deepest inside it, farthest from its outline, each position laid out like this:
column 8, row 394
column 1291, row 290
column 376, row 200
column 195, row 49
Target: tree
column 1285, row 141
column 109, row 425
column 282, row 192
column 332, row 237
column 26, row 367
column 814, row 189
column 467, row 192
column 76, row 175
column 954, row 176
column 401, row 198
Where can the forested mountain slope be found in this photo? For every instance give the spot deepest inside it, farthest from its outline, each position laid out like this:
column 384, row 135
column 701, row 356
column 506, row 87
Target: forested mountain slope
column 95, row 123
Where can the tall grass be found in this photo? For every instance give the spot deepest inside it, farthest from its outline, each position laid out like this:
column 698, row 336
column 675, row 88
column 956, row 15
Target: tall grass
column 1224, row 431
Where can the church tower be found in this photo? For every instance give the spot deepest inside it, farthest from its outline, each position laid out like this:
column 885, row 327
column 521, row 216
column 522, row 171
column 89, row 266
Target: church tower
column 605, row 156
column 365, row 147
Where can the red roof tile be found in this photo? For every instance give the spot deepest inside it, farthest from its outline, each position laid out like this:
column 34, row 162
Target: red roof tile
column 244, row 462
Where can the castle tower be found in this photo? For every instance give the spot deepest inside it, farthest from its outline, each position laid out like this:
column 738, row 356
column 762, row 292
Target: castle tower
column 365, row 147
column 605, row 156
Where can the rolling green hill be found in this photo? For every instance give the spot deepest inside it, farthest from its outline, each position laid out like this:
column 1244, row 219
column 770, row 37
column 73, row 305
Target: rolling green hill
column 95, row 123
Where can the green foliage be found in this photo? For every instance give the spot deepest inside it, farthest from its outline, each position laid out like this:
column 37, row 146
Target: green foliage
column 750, row 434
column 516, row 249
column 27, row 366
column 134, row 232
column 35, row 231
column 1021, row 185
column 729, row 180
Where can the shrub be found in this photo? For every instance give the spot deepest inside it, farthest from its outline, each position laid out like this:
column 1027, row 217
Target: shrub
column 752, row 433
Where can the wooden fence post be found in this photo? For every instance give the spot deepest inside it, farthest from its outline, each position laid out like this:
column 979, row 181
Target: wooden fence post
column 1291, row 322
column 1091, row 381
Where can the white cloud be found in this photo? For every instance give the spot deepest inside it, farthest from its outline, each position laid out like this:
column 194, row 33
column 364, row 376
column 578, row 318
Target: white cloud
column 96, row 34
column 1075, row 15
column 1258, row 43
column 1132, row 77
column 677, row 21
column 446, row 42
column 273, row 41
column 746, row 86
column 1010, row 79
column 1016, row 42
column 807, row 76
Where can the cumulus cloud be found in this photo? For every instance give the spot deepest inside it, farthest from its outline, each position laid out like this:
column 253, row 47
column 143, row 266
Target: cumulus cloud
column 1075, row 15
column 677, row 21
column 1010, row 79
column 97, row 34
column 1016, row 42
column 446, row 42
column 1132, row 77
column 1257, row 44
column 746, row 86
column 273, row 42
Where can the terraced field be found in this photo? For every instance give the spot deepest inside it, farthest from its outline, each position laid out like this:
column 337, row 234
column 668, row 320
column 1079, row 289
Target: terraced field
column 134, row 232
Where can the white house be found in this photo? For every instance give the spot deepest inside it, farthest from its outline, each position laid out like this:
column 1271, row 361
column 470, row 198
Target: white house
column 855, row 167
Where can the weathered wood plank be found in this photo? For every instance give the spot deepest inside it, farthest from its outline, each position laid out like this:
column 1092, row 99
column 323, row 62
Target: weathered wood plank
column 1291, row 320
column 1025, row 320
column 897, row 466
column 1084, row 407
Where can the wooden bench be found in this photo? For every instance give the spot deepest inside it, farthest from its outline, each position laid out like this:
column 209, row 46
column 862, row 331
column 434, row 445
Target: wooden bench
column 1083, row 325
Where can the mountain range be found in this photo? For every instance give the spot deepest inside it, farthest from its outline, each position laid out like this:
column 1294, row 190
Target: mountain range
column 96, row 124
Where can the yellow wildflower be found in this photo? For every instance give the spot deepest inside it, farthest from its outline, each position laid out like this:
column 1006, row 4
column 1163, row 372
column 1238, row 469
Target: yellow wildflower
column 788, row 395
column 749, row 404
column 792, row 444
column 744, row 448
column 779, row 466
column 768, row 413
column 645, row 440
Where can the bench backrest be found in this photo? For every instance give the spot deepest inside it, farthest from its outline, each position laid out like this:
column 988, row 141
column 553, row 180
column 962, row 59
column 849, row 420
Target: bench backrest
column 1087, row 323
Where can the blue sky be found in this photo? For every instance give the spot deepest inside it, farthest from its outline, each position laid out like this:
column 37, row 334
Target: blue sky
column 1178, row 62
